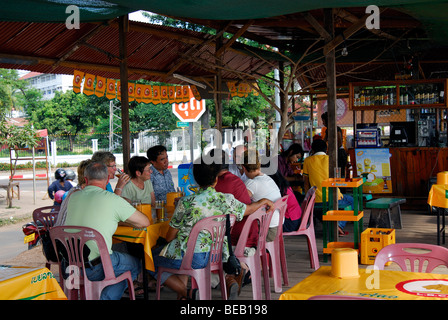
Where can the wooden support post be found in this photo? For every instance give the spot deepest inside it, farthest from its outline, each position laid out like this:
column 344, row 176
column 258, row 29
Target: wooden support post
column 218, row 89
column 126, row 136
column 331, row 101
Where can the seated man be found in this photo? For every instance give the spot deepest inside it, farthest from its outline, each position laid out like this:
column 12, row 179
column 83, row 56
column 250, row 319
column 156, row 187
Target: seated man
column 161, row 178
column 108, row 159
column 96, row 208
column 315, row 170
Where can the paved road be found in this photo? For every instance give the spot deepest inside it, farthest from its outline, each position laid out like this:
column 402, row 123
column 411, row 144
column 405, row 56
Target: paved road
column 11, row 236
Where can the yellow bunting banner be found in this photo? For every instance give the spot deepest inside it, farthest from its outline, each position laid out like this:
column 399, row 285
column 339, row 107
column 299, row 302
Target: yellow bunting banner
column 131, row 91
column 164, row 94
column 111, row 93
column 171, row 94
column 147, row 94
column 185, row 94
column 155, row 94
column 118, row 90
column 195, row 92
column 138, row 92
column 89, row 84
column 179, row 96
column 77, row 80
column 100, row 86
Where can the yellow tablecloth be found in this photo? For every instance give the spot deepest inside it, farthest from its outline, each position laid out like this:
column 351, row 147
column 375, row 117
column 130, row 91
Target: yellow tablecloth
column 146, row 236
column 392, row 285
column 437, row 196
column 24, row 283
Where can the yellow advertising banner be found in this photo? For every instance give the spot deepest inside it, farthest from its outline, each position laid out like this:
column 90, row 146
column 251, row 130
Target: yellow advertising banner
column 171, row 94
column 100, row 86
column 147, row 94
column 179, row 95
column 89, row 84
column 111, row 93
column 164, row 94
column 77, row 80
column 118, row 90
column 138, row 92
column 185, row 94
column 195, row 92
column 131, row 91
column 155, row 94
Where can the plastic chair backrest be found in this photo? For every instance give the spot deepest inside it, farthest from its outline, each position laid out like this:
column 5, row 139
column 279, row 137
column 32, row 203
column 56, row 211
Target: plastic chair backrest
column 263, row 220
column 281, row 205
column 308, row 208
column 216, row 227
column 418, row 262
column 73, row 238
column 45, row 216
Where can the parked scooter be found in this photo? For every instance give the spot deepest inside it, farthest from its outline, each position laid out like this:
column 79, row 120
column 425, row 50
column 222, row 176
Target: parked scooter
column 33, row 232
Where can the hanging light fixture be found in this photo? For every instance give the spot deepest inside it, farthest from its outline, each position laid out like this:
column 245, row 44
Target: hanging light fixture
column 344, row 49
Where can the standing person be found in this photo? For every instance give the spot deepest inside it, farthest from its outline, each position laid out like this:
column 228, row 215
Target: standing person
column 316, row 170
column 98, row 209
column 205, row 203
column 140, row 188
column 161, row 178
column 108, row 159
column 59, row 184
column 342, row 154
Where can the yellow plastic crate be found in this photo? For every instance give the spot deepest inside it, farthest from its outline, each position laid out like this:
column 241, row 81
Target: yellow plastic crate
column 372, row 241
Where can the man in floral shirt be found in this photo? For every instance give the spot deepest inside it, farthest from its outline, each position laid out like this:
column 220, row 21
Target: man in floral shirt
column 205, row 203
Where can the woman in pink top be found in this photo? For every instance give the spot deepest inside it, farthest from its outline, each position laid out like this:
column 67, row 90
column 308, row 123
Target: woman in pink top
column 293, row 211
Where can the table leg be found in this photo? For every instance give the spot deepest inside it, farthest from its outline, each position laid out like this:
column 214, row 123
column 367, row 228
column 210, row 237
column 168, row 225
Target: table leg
column 144, row 276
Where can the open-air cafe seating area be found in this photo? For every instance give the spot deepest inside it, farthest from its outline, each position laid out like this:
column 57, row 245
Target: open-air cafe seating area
column 417, row 227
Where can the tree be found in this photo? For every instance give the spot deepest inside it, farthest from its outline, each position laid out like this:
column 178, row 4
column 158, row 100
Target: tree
column 16, row 137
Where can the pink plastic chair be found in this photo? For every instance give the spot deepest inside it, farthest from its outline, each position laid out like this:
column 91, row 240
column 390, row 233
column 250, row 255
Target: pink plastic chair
column 307, row 227
column 73, row 238
column 276, row 249
column 339, row 297
column 253, row 262
column 216, row 227
column 436, row 256
column 44, row 218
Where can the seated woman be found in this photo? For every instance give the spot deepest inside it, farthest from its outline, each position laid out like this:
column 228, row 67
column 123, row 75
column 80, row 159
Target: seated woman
column 205, row 203
column 288, row 157
column 139, row 189
column 260, row 185
column 293, row 210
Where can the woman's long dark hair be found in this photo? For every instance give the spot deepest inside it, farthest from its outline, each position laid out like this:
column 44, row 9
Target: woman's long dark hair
column 295, row 148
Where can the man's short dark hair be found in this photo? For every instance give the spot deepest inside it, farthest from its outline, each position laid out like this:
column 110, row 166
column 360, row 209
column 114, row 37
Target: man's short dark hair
column 205, row 174
column 319, row 145
column 96, row 171
column 154, row 152
column 137, row 163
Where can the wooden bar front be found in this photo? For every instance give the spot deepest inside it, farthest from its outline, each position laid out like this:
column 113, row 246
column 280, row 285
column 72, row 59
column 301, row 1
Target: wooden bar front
column 411, row 171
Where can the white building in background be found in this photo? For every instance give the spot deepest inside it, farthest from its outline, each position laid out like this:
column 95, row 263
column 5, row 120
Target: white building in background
column 48, row 84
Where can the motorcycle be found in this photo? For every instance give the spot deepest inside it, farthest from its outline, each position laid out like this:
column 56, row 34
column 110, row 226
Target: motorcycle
column 32, row 234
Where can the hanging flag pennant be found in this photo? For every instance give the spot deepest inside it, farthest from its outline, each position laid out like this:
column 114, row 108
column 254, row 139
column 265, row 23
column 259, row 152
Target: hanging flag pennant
column 171, row 94
column 155, row 94
column 232, row 88
column 241, row 90
column 195, row 92
column 164, row 94
column 185, row 94
column 89, row 82
column 77, row 80
column 146, row 94
column 254, row 91
column 179, row 95
column 100, row 86
column 111, row 93
column 118, row 90
column 131, row 91
column 138, row 92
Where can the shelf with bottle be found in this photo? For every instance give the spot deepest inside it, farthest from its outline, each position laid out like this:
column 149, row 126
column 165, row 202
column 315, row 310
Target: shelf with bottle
column 398, row 94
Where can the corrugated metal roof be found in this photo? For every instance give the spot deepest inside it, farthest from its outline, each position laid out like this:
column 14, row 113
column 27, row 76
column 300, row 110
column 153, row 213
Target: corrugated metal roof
column 153, row 51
